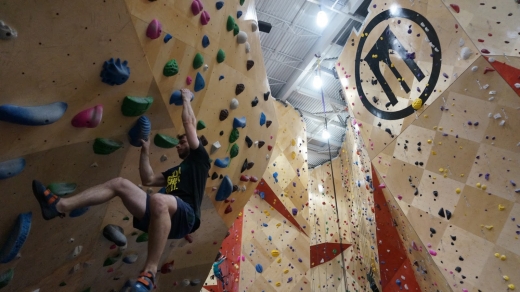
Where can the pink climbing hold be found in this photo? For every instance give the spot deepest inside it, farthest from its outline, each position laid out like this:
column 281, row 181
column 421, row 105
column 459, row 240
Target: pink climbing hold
column 196, row 7
column 243, row 258
column 89, row 118
column 432, row 252
column 488, row 70
column 204, row 18
column 382, row 186
column 154, row 29
column 400, row 197
column 455, row 7
column 189, row 80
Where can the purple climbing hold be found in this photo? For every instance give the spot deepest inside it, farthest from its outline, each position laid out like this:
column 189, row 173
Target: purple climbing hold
column 154, row 29
column 486, row 176
column 204, row 18
column 196, row 7
column 445, row 75
column 294, row 211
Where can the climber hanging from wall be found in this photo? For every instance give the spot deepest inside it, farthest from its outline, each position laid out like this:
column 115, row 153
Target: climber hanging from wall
column 217, row 271
column 164, row 216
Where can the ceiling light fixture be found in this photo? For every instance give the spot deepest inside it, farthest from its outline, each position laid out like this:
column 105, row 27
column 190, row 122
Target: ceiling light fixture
column 325, row 134
column 321, row 19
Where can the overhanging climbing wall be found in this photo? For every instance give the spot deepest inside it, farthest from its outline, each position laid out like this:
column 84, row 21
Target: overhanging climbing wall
column 57, row 56
column 434, row 96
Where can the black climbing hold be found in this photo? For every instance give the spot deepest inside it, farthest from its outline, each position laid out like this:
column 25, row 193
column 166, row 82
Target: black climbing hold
column 448, row 215
column 203, row 140
column 214, row 176
column 260, row 144
column 250, row 165
column 221, row 176
column 419, row 149
column 441, row 213
column 419, row 144
column 244, row 166
column 235, row 188
column 249, row 142
column 458, row 269
column 453, row 237
column 221, row 133
column 416, row 192
column 250, row 64
column 379, row 124
column 435, row 193
column 389, row 132
column 374, row 99
column 266, row 95
column 461, row 258
column 432, row 230
column 239, row 89
column 223, row 114
column 268, row 123
column 254, row 102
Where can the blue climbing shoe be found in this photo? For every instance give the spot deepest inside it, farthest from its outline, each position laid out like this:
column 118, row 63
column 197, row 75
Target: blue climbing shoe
column 145, row 282
column 47, row 200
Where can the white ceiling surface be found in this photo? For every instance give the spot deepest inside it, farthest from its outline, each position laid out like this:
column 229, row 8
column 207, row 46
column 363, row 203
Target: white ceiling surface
column 289, row 51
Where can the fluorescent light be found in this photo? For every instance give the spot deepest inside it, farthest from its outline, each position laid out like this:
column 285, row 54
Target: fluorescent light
column 322, row 19
column 317, row 82
column 325, row 134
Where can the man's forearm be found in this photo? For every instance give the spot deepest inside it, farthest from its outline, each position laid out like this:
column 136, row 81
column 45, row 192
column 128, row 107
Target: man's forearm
column 187, row 114
column 145, row 169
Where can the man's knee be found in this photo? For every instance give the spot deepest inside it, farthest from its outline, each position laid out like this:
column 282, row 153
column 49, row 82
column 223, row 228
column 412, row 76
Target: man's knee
column 119, row 185
column 158, row 204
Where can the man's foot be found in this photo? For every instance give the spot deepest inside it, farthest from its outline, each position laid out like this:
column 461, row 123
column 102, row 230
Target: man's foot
column 47, row 201
column 145, row 282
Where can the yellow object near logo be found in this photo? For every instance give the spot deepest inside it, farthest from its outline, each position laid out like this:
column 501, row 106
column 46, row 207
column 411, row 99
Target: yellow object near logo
column 417, row 104
column 275, row 253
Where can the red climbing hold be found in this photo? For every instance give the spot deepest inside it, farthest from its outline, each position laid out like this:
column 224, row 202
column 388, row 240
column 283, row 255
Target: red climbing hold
column 228, row 209
column 484, row 51
column 253, row 179
column 455, row 7
column 480, row 40
column 189, row 238
column 167, row 268
column 269, row 147
column 244, row 178
column 488, row 70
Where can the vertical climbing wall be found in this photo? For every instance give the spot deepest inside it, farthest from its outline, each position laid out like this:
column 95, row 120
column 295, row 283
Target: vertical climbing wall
column 58, row 56
column 434, row 95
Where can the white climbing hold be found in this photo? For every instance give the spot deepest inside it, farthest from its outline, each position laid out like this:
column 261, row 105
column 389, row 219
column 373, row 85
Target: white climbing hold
column 517, row 85
column 254, row 25
column 6, row 32
column 485, row 86
column 422, row 24
column 461, row 42
column 205, row 68
column 502, row 122
column 214, row 147
column 248, row 47
column 94, row 164
column 71, row 240
column 241, row 37
column 493, row 92
column 490, row 115
column 267, row 157
column 497, row 116
column 234, row 104
column 77, row 251
column 491, row 60
column 474, row 68
column 491, row 98
column 75, row 268
column 185, row 283
column 465, row 53
column 163, row 158
column 243, row 189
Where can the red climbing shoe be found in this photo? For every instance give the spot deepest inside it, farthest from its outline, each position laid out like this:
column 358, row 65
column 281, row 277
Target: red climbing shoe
column 47, row 201
column 145, row 282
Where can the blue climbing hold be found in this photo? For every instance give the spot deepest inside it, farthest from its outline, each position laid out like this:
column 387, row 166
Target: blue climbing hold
column 222, row 163
column 275, row 175
column 17, row 238
column 262, row 195
column 141, row 130
column 78, row 212
column 259, row 268
column 264, row 224
column 270, row 238
column 224, row 190
column 205, row 41
column 262, row 119
column 199, row 82
column 219, row 4
column 398, row 282
column 167, row 38
column 11, row 167
column 221, row 77
column 33, row 115
column 239, row 123
column 239, row 13
column 176, row 97
column 115, row 72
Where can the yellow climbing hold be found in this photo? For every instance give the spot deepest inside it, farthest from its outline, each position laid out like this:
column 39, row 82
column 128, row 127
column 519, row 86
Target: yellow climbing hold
column 278, row 284
column 429, row 141
column 457, row 190
column 293, row 142
column 501, row 207
column 440, row 128
column 489, row 227
column 392, row 65
column 435, row 128
column 278, row 224
column 503, row 257
column 293, row 155
column 484, row 187
column 441, row 169
column 239, row 214
column 511, row 287
column 417, row 104
column 425, row 116
column 461, row 175
column 286, row 271
column 497, row 255
column 279, row 260
column 275, row 253
column 434, row 153
column 478, row 185
column 506, row 277
column 440, row 143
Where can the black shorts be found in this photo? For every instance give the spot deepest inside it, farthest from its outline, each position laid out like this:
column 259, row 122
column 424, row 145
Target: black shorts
column 183, row 221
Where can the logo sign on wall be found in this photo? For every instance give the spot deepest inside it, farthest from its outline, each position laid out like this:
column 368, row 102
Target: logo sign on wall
column 380, row 52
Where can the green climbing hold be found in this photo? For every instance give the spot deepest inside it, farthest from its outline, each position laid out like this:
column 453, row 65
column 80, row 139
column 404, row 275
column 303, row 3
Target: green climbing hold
column 63, row 284
column 135, row 106
column 221, row 56
column 112, row 260
column 6, row 278
column 62, row 189
column 236, row 29
column 198, row 61
column 334, row 251
column 230, row 25
column 201, row 125
column 242, row 2
column 126, row 218
column 233, row 136
column 234, row 150
column 171, row 68
column 142, row 238
column 104, row 146
column 165, row 141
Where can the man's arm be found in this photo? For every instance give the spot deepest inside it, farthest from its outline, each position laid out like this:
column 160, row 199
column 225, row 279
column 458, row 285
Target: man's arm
column 148, row 178
column 189, row 120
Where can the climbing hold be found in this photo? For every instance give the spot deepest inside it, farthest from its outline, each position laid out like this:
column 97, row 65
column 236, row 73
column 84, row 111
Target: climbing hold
column 457, row 190
column 115, row 72
column 228, row 210
column 194, row 282
column 269, row 147
column 233, row 136
column 294, row 211
column 465, row 53
column 239, row 14
column 17, row 237
column 244, row 166
column 241, row 37
column 278, row 284
column 6, row 32
column 171, row 68
column 242, row 2
column 249, row 142
column 89, row 118
column 455, row 7
column 78, row 212
column 6, row 277
column 262, row 119
column 115, row 234
column 142, row 238
column 167, row 267
column 141, row 130
column 165, row 141
column 254, row 102
column 62, row 189
column 220, row 77
column 214, row 147
column 250, row 64
column 104, row 146
column 196, row 7
column 205, row 41
column 221, row 56
column 10, row 168
column 230, row 23
column 223, row 114
column 219, row 4
column 154, row 29
column 441, row 213
column 222, row 163
column 275, row 253
column 203, row 140
column 199, row 82
column 448, row 214
column 501, row 207
column 130, row 259
column 260, row 144
column 224, row 190
column 247, row 47
column 234, row 151
column 266, row 95
column 204, row 18
column 236, row 29
column 167, row 38
column 254, row 25
column 32, row 115
column 484, row 51
column 432, row 252
column 268, row 123
column 511, row 287
column 417, row 104
column 134, row 106
column 198, row 61
column 253, row 178
column 239, row 122
column 239, row 89
column 176, row 97
column 201, row 125
column 259, row 268
column 233, row 104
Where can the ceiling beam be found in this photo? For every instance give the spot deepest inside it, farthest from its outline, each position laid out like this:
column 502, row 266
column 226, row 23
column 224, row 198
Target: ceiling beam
column 318, row 137
column 349, row 14
column 317, row 96
column 319, row 119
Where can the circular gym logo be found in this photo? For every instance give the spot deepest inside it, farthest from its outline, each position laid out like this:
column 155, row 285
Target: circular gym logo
column 388, row 44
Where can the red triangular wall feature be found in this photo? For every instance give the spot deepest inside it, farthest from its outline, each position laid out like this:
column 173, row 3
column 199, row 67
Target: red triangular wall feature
column 326, row 252
column 271, row 198
column 509, row 73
